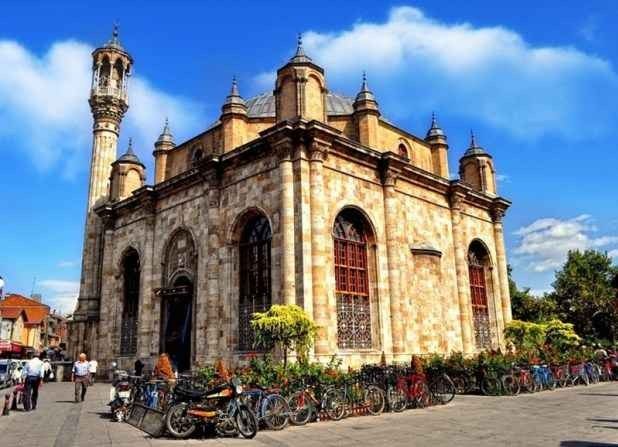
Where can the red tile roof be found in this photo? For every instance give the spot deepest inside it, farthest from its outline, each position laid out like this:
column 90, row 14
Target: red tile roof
column 12, row 313
column 35, row 311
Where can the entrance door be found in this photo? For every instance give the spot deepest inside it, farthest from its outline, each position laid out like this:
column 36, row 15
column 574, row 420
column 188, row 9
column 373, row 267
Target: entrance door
column 176, row 321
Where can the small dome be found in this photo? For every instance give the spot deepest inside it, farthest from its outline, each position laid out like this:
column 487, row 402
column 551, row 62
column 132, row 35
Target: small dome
column 474, row 148
column 234, row 96
column 365, row 94
column 435, row 130
column 129, row 156
column 300, row 56
column 166, row 136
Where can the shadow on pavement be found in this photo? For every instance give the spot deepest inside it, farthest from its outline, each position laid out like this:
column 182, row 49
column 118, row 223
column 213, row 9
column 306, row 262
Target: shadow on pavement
column 604, row 420
column 65, row 401
column 586, row 444
column 598, row 394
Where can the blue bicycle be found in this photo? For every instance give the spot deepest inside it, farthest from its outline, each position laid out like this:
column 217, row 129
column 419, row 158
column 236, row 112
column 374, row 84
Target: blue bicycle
column 543, row 378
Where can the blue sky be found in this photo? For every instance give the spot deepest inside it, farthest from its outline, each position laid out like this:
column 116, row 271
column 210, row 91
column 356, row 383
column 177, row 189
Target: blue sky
column 537, row 83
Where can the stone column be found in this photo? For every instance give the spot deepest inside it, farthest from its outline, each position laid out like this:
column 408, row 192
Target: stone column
column 461, row 268
column 108, row 298
column 146, row 307
column 317, row 155
column 286, row 206
column 393, row 247
column 215, row 341
column 497, row 216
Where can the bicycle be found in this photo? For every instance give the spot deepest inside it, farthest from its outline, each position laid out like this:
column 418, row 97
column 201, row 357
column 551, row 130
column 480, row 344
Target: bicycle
column 543, row 378
column 357, row 395
column 268, row 406
column 303, row 405
column 442, row 389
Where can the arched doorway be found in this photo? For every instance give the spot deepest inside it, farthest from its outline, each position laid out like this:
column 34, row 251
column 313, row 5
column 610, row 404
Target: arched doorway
column 351, row 234
column 177, row 300
column 478, row 270
column 177, row 315
column 130, row 302
column 254, row 278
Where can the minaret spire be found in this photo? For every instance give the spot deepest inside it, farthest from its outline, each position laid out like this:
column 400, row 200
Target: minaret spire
column 300, row 55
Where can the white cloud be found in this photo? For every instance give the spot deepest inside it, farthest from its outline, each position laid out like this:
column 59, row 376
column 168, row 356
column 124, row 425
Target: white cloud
column 416, row 64
column 613, row 254
column 60, row 294
column 44, row 109
column 503, row 178
column 545, row 243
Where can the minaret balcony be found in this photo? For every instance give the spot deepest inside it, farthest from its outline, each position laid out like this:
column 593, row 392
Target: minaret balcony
column 109, row 91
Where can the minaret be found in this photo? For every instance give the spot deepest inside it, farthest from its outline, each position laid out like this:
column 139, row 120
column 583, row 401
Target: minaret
column 111, row 69
column 439, row 148
column 164, row 143
column 234, row 119
column 476, row 168
column 366, row 114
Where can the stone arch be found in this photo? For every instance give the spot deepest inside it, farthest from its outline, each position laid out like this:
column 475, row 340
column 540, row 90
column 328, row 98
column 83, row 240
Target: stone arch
column 179, row 258
column 404, row 149
column 234, row 231
column 366, row 216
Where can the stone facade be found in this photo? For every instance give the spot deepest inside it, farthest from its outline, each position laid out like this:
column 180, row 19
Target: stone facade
column 301, row 158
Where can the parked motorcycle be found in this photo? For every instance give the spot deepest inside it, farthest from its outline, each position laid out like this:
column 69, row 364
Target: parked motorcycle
column 119, row 394
column 219, row 407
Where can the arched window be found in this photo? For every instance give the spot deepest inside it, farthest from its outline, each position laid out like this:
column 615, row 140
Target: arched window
column 478, row 263
column 352, row 281
column 130, row 302
column 403, row 150
column 255, row 285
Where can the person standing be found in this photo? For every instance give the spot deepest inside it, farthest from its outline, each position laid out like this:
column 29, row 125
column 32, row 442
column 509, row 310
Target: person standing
column 81, row 377
column 47, row 370
column 33, row 373
column 92, row 369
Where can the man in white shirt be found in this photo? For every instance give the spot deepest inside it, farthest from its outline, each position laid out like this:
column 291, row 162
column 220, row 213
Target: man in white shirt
column 33, row 373
column 81, row 377
column 92, row 368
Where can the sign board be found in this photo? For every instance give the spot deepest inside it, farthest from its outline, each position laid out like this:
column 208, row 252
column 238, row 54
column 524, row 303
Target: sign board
column 147, row 419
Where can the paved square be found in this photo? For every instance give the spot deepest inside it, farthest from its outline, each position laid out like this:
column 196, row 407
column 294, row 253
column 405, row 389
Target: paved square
column 573, row 417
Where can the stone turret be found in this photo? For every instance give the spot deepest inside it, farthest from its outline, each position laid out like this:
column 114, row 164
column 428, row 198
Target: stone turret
column 300, row 89
column 439, row 148
column 164, row 143
column 366, row 114
column 476, row 168
column 128, row 174
column 234, row 119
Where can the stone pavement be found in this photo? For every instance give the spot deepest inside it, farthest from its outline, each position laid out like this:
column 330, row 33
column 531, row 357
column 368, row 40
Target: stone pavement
column 573, row 417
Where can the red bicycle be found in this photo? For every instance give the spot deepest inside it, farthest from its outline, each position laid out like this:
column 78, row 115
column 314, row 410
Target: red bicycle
column 415, row 388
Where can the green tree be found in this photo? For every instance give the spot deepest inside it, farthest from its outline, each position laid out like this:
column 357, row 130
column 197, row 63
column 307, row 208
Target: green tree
column 584, row 293
column 526, row 306
column 285, row 326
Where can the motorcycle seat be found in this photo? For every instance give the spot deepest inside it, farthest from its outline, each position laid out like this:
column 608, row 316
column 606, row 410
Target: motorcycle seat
column 190, row 393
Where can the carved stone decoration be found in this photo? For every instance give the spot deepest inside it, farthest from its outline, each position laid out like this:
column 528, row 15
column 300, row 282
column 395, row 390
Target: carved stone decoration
column 180, row 256
column 318, row 150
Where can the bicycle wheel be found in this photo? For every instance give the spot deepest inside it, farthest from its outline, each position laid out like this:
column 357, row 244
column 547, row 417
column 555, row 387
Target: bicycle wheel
column 442, row 390
column 490, row 386
column 397, row 400
column 460, row 385
column 246, row 422
column 374, row 399
column 275, row 411
column 510, row 385
column 595, row 374
column 300, row 408
column 334, row 403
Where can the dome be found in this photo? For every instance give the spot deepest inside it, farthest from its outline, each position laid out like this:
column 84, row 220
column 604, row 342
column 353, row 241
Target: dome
column 166, row 136
column 129, row 156
column 114, row 42
column 263, row 106
column 435, row 131
column 474, row 148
